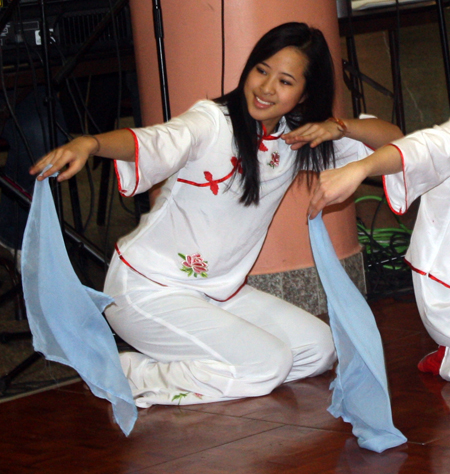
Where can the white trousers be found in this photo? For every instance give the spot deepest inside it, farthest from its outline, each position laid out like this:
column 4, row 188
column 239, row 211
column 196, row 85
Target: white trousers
column 193, row 349
column 433, row 302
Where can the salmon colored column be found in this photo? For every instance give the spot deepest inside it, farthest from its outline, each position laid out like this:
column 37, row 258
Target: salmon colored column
column 194, row 48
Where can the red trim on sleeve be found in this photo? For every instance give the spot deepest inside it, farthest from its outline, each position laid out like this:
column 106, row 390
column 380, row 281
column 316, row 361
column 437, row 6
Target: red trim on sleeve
column 401, row 212
column 136, row 167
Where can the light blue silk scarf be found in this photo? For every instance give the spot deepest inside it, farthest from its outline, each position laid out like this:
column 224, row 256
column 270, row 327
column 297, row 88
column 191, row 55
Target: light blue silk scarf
column 65, row 317
column 360, row 389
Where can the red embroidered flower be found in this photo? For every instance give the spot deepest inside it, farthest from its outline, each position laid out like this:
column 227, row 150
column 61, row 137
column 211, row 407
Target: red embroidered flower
column 275, row 161
column 194, row 265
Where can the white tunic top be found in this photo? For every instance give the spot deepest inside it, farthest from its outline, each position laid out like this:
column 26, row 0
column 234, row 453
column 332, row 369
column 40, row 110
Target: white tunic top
column 426, row 169
column 198, row 235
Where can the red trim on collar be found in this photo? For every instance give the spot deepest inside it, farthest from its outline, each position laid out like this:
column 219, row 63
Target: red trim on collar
column 265, row 137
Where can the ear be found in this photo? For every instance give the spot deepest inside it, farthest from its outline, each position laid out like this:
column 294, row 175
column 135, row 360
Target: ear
column 303, row 98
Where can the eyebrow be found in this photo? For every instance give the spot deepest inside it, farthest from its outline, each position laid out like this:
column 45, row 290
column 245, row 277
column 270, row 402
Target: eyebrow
column 284, row 73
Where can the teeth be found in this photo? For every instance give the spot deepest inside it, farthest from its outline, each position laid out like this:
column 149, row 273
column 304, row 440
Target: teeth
column 262, row 101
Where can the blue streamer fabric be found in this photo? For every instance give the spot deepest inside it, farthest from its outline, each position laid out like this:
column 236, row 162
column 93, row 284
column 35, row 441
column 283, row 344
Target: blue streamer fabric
column 360, row 389
column 65, row 317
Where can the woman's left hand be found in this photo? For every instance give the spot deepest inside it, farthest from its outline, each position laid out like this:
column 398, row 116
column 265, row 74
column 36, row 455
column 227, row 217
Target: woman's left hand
column 336, row 185
column 313, row 133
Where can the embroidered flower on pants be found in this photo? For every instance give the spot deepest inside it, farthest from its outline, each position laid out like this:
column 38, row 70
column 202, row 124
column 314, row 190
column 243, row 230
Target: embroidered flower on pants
column 181, row 396
column 275, row 161
column 194, row 265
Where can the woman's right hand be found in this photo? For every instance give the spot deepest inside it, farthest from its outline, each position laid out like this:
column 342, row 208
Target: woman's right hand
column 73, row 155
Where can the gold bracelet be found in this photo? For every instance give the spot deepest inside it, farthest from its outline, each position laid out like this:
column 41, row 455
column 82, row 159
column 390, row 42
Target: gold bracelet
column 340, row 123
column 98, row 143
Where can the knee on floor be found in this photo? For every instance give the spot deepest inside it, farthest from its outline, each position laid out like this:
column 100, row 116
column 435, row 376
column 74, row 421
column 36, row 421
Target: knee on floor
column 270, row 367
column 320, row 357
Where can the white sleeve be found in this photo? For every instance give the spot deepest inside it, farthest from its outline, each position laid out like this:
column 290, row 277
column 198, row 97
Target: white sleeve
column 162, row 150
column 426, row 164
column 347, row 150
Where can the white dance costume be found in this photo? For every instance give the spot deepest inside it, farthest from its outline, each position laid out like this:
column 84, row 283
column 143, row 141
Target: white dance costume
column 178, row 280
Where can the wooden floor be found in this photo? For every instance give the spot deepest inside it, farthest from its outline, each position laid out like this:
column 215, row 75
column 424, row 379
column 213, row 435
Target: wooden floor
column 68, row 430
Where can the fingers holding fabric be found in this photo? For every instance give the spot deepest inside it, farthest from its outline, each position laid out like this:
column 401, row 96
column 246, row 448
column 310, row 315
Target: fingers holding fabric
column 70, row 158
column 334, row 187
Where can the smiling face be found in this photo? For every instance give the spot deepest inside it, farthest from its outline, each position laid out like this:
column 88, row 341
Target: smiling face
column 275, row 86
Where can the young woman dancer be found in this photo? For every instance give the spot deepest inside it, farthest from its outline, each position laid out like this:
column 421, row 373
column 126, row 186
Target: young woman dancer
column 179, row 279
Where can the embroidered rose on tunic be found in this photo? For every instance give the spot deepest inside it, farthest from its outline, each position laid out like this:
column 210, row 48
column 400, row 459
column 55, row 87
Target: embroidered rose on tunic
column 194, row 265
column 275, row 161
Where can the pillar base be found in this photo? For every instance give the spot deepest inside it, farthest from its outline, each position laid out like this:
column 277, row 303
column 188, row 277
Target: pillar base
column 303, row 288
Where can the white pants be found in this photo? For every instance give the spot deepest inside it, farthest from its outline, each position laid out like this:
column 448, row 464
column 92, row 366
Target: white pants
column 433, row 302
column 196, row 350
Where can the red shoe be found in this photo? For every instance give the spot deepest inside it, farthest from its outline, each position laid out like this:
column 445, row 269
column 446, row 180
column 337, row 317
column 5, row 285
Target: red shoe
column 431, row 363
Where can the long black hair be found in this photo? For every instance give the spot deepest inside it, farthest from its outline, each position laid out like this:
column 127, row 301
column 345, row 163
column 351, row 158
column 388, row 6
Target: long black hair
column 316, row 105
